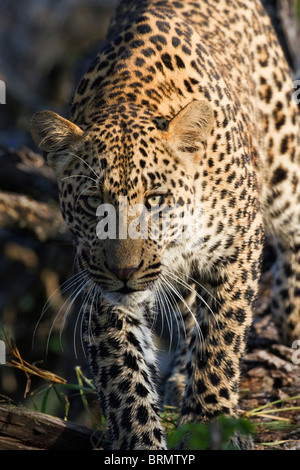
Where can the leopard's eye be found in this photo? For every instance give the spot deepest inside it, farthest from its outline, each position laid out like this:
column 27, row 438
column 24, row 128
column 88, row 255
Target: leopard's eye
column 91, row 202
column 154, row 201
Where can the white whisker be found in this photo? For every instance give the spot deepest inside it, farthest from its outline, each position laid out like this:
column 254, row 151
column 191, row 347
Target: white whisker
column 85, row 189
column 79, row 176
column 156, row 310
column 71, row 282
column 178, row 294
column 179, row 317
column 177, row 314
column 199, row 284
column 86, row 163
column 77, row 291
column 165, row 314
column 90, row 331
column 187, row 286
column 81, row 314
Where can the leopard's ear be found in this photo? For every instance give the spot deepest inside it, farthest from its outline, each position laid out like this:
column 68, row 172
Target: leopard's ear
column 56, row 136
column 190, row 128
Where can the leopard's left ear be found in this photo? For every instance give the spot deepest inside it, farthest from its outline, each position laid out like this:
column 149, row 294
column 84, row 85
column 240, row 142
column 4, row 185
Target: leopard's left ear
column 56, row 136
column 187, row 131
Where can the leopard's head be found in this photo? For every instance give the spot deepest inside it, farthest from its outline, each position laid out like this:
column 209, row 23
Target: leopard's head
column 127, row 189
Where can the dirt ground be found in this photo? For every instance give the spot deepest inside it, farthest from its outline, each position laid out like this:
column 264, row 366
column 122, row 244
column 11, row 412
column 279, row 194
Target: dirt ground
column 271, row 373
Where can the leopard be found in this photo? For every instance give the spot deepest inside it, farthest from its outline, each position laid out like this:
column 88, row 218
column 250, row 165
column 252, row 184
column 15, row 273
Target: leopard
column 186, row 111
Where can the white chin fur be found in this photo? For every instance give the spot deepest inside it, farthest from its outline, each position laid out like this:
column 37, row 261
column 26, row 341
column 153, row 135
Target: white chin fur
column 130, row 300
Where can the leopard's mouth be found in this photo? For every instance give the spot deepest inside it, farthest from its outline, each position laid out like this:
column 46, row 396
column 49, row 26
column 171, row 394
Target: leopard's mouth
column 125, row 290
column 125, row 295
column 116, row 291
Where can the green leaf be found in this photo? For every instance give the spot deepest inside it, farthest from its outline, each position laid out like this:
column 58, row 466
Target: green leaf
column 45, row 400
column 199, row 436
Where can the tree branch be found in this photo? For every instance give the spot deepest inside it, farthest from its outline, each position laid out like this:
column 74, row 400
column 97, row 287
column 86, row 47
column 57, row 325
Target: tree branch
column 22, row 429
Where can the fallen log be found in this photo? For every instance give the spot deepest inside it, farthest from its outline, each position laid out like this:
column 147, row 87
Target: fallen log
column 23, row 429
column 19, row 212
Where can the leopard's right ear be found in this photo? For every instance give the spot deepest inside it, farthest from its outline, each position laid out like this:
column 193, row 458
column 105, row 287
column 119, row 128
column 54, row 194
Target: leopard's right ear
column 56, row 136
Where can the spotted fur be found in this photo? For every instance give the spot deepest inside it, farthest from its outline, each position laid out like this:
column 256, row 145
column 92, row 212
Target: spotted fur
column 190, row 101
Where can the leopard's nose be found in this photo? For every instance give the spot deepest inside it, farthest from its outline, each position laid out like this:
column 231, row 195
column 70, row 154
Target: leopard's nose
column 124, row 273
